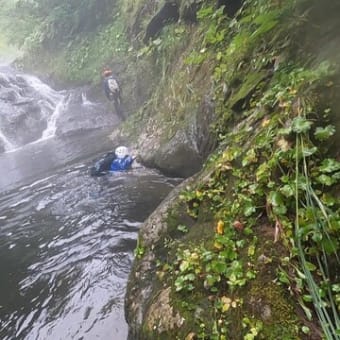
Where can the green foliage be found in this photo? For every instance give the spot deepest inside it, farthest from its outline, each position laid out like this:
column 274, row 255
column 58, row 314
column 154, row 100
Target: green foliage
column 51, row 24
column 8, row 51
column 253, row 328
column 83, row 59
column 317, row 219
column 182, row 228
column 283, row 161
column 317, row 236
column 271, row 167
column 162, row 48
column 73, row 40
column 323, row 133
column 139, row 250
column 199, row 270
column 196, row 58
column 86, row 58
column 215, row 33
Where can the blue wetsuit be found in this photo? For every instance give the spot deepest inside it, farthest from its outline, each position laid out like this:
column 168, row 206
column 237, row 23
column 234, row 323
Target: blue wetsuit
column 121, row 163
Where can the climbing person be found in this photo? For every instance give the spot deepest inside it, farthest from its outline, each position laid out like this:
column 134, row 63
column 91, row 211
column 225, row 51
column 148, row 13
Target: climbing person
column 112, row 90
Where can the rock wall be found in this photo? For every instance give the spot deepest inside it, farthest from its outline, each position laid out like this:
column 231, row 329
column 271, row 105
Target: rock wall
column 190, row 280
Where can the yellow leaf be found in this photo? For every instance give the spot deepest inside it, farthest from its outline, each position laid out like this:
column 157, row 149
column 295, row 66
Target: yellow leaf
column 220, row 227
column 218, row 245
column 199, row 194
column 226, row 302
column 265, row 122
column 225, row 307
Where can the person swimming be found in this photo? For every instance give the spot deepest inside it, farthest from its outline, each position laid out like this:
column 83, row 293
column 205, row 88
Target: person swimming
column 123, row 160
column 119, row 160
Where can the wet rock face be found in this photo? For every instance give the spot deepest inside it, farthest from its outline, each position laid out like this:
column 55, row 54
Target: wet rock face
column 161, row 315
column 25, row 124
column 179, row 157
column 21, row 117
column 182, row 155
column 145, row 302
column 9, row 95
column 4, row 81
column 78, row 116
column 320, row 37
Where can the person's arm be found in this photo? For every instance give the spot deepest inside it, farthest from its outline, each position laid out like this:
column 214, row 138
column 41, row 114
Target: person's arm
column 127, row 162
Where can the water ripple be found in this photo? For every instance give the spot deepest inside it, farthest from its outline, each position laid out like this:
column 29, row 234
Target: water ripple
column 66, row 244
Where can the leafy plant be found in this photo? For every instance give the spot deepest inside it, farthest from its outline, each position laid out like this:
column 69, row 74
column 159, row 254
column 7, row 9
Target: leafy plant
column 279, row 164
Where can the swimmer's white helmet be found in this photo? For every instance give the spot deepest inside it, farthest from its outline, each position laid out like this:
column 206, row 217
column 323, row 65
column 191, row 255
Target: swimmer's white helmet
column 121, row 151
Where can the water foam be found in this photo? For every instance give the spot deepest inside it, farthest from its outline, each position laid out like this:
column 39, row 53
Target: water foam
column 51, row 128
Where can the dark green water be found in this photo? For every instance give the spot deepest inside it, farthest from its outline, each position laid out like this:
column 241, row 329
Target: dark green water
column 66, row 238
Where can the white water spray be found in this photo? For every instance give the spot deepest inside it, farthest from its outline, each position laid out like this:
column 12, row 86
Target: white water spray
column 56, row 112
column 51, row 108
column 52, row 121
column 7, row 144
column 84, row 99
column 42, row 88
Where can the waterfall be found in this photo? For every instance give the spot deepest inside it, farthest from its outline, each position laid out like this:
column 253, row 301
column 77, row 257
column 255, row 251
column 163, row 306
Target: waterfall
column 52, row 120
column 31, row 111
column 44, row 89
column 84, row 99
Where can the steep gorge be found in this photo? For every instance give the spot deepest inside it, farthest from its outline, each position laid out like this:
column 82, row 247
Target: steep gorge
column 246, row 103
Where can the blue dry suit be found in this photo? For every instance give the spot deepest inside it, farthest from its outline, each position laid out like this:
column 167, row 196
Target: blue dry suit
column 119, row 164
column 111, row 163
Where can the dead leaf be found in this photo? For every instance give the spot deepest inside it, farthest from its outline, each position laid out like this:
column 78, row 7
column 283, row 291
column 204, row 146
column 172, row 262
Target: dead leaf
column 278, row 230
column 190, row 336
column 238, row 225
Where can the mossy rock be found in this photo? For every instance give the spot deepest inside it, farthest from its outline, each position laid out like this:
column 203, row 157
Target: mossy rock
column 239, row 98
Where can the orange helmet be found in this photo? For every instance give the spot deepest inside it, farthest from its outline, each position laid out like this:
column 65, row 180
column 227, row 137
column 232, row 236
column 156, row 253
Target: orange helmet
column 107, row 72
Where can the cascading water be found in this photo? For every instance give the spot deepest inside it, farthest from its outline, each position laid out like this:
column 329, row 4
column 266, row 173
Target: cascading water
column 52, row 121
column 26, row 107
column 31, row 111
column 84, row 99
column 66, row 239
column 52, row 104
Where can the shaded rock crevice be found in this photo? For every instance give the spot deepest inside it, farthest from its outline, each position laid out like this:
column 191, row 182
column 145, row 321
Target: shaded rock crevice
column 168, row 14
